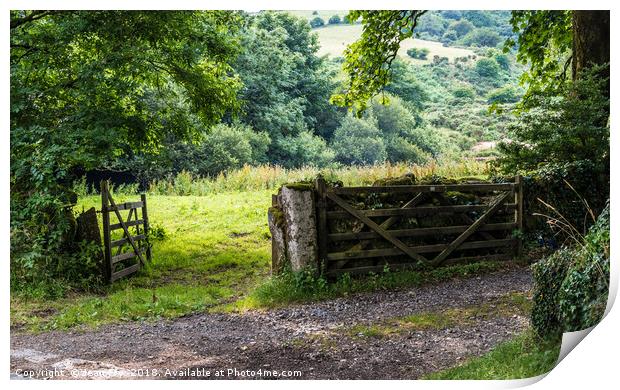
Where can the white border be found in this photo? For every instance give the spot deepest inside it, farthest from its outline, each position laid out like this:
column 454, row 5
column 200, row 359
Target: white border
column 592, row 364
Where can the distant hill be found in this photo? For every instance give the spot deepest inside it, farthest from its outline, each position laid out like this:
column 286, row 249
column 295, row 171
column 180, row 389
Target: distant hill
column 335, row 38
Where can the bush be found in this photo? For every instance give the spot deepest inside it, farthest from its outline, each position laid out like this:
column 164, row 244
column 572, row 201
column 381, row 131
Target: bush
column 317, row 22
column 548, row 276
column 461, row 28
column 508, row 94
column 358, row 142
column 431, row 24
column 464, row 92
column 572, row 125
column 230, row 147
column 418, row 53
column 305, row 149
column 448, row 38
column 482, row 37
column 487, row 67
column 478, row 18
column 503, row 61
column 572, row 285
column 335, row 19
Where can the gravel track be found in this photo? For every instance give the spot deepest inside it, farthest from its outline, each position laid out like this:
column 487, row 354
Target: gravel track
column 310, row 338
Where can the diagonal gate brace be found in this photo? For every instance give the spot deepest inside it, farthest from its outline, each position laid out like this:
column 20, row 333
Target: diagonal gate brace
column 371, row 224
column 124, row 226
column 470, row 230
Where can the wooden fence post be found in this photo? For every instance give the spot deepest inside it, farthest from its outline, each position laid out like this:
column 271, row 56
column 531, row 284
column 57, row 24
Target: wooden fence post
column 107, row 243
column 519, row 212
column 321, row 226
column 145, row 217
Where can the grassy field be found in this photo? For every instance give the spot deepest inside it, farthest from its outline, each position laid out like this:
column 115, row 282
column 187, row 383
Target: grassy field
column 216, row 251
column 216, row 248
column 335, row 38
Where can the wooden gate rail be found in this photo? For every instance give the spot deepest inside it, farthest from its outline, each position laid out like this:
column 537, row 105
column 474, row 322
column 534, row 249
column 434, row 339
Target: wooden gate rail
column 138, row 242
column 335, row 262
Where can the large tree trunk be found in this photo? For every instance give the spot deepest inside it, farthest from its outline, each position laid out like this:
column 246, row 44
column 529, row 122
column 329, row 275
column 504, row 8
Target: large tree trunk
column 590, row 40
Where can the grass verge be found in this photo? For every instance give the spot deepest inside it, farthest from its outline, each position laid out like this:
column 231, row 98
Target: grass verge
column 522, row 357
column 305, row 287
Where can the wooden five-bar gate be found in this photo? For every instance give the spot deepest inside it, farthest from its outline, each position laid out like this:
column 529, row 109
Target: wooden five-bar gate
column 431, row 225
column 119, row 262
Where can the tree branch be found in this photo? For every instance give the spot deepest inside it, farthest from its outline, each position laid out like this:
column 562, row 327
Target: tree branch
column 34, row 15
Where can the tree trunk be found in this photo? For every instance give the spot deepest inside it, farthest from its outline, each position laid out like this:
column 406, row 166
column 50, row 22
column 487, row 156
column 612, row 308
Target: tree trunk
column 590, row 40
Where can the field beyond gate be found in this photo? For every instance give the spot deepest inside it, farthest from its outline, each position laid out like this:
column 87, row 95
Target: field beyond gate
column 366, row 229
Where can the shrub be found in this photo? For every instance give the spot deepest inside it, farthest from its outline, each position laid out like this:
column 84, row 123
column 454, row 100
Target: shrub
column 449, row 37
column 358, row 142
column 335, row 19
column 231, row 147
column 482, row 37
column 487, row 67
column 584, row 292
column 503, row 61
column 305, row 149
column 572, row 125
column 317, row 22
column 548, row 276
column 572, row 285
column 478, row 18
column 438, row 60
column 418, row 53
column 508, row 94
column 461, row 28
column 464, row 92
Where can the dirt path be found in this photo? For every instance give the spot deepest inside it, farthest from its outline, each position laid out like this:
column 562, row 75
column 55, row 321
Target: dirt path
column 319, row 339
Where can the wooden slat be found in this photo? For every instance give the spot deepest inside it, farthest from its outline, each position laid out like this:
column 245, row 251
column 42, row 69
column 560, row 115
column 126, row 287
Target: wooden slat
column 126, row 271
column 385, row 225
column 420, row 232
column 464, row 217
column 395, row 241
column 471, row 229
column 117, row 226
column 127, row 206
column 336, row 256
column 120, row 220
column 418, row 211
column 131, row 213
column 425, row 188
column 125, row 240
column 519, row 212
column 147, row 227
column 107, row 248
column 404, row 266
column 123, row 256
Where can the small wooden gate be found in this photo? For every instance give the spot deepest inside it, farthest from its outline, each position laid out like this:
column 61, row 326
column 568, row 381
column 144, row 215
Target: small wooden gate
column 439, row 224
column 124, row 262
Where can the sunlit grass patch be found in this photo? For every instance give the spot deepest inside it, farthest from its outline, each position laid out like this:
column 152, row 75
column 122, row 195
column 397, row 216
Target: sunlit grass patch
column 523, row 357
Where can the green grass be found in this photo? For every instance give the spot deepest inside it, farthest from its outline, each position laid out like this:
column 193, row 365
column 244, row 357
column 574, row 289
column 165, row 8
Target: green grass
column 216, row 248
column 522, row 357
